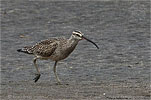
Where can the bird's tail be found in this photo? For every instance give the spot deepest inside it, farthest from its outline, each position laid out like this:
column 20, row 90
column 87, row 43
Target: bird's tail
column 25, row 50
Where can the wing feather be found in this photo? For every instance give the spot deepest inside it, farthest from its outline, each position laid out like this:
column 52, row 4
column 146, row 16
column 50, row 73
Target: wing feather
column 45, row 48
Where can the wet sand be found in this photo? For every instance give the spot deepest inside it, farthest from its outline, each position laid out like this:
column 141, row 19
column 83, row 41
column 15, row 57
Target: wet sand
column 119, row 70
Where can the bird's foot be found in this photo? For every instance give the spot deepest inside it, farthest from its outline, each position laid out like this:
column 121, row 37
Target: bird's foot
column 59, row 83
column 66, row 84
column 37, row 77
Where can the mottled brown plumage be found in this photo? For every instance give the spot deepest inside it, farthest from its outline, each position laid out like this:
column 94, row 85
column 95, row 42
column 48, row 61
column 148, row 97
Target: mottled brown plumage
column 55, row 49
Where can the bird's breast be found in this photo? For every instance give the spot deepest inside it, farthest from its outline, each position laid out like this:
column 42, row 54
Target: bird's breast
column 62, row 53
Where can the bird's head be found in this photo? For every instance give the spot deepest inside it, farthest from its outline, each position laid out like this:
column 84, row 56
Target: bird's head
column 79, row 36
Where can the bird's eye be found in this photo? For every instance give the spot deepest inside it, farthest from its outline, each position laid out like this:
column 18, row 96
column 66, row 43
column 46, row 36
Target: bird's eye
column 77, row 35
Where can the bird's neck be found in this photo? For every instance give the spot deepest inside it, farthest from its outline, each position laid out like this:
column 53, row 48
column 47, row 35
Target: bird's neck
column 72, row 41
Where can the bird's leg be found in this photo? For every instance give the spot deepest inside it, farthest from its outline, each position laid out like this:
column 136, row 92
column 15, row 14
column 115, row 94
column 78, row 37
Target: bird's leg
column 38, row 74
column 54, row 69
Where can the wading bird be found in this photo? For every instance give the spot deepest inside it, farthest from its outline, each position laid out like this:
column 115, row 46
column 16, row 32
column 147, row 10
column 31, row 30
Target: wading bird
column 55, row 49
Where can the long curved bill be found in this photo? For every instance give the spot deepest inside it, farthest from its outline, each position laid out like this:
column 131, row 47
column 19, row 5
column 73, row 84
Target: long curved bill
column 90, row 41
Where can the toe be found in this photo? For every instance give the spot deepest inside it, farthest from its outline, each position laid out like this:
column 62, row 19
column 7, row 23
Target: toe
column 37, row 78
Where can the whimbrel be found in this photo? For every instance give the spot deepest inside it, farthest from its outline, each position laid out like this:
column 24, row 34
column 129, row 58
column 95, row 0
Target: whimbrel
column 55, row 49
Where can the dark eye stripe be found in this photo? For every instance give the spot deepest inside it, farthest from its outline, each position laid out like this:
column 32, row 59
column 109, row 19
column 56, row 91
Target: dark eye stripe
column 77, row 35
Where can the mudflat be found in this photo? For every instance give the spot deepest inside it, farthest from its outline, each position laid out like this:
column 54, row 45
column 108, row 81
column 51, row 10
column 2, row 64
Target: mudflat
column 119, row 70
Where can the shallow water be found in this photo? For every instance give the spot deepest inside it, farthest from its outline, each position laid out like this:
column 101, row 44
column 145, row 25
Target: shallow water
column 121, row 29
